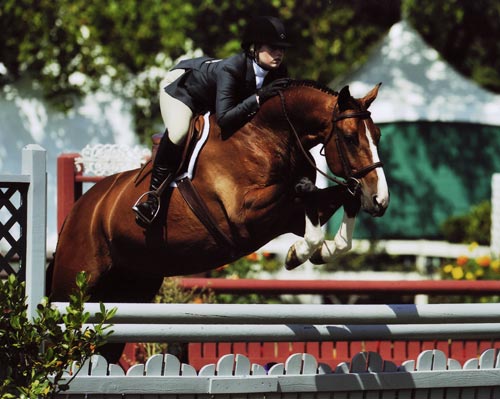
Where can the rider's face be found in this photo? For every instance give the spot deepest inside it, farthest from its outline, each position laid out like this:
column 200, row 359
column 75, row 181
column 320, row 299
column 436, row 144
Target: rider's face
column 269, row 57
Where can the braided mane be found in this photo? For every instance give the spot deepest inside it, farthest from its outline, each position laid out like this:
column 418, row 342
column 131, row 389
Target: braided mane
column 313, row 84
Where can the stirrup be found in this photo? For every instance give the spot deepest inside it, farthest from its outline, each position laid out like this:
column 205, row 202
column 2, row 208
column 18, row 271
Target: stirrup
column 139, row 215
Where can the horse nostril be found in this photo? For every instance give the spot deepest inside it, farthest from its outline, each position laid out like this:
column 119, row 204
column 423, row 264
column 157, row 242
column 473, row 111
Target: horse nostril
column 375, row 201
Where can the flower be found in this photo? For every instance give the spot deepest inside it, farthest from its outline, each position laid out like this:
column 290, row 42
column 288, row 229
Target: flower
column 254, row 257
column 469, row 276
column 462, row 260
column 448, row 268
column 483, row 261
column 495, row 265
column 473, row 246
column 481, row 267
column 457, row 273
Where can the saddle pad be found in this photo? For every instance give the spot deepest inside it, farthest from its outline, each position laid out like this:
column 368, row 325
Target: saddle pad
column 196, row 152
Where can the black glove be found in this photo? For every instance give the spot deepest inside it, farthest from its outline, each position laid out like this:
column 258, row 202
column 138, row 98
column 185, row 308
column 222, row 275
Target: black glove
column 272, row 89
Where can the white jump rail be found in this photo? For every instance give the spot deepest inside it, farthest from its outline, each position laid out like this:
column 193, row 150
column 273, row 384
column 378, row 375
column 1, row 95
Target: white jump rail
column 285, row 323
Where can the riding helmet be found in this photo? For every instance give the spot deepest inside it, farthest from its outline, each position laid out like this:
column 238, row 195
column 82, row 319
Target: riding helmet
column 265, row 30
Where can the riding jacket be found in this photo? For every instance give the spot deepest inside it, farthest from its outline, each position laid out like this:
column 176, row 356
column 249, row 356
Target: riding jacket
column 226, row 87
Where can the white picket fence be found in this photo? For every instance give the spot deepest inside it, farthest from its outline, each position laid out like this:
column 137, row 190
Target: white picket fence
column 431, row 375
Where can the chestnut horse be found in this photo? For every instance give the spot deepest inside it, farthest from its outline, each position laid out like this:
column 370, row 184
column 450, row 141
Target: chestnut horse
column 253, row 184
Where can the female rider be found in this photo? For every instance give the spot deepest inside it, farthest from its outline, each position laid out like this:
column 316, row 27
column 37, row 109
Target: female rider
column 233, row 88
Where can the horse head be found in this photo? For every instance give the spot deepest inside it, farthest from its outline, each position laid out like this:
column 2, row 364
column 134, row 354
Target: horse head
column 351, row 150
column 342, row 124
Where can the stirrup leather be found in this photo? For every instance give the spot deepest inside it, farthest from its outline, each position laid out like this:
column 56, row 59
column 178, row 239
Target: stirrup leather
column 143, row 218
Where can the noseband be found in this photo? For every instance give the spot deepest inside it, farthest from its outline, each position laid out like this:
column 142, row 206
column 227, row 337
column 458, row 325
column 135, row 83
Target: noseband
column 351, row 182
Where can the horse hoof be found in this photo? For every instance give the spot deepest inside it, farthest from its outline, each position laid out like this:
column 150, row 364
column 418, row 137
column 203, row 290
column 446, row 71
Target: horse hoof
column 317, row 259
column 292, row 261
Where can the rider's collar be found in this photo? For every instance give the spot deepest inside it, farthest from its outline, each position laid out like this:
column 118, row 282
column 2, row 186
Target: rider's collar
column 260, row 74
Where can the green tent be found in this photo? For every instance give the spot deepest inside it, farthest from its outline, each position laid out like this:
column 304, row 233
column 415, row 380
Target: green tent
column 440, row 136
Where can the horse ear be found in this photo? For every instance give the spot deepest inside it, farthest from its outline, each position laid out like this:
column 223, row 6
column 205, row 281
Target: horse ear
column 344, row 99
column 370, row 97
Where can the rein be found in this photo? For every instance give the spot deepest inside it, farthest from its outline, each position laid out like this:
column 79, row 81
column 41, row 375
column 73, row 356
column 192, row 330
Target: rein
column 351, row 183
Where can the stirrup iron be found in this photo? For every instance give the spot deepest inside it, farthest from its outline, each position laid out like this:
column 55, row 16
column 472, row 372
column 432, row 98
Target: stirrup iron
column 142, row 218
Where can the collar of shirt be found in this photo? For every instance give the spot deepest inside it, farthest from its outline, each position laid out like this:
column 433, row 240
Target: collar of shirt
column 260, row 74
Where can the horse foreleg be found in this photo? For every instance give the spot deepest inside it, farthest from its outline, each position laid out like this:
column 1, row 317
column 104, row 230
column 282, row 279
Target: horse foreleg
column 302, row 249
column 341, row 243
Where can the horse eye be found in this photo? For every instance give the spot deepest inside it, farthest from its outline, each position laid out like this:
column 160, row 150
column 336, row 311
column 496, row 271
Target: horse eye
column 351, row 139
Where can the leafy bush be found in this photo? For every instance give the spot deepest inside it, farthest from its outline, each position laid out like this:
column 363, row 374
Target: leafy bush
column 171, row 292
column 474, row 226
column 35, row 354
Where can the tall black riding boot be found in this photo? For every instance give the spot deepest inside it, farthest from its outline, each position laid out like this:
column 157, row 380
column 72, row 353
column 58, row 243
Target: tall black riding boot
column 166, row 164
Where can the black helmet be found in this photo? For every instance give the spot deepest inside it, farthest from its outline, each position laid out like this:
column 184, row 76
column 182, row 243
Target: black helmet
column 265, row 30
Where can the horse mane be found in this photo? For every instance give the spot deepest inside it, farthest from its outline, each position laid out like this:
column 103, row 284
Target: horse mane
column 314, row 84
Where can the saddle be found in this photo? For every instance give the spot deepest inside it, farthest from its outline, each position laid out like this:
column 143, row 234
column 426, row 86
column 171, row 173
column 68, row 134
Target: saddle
column 194, row 134
column 185, row 185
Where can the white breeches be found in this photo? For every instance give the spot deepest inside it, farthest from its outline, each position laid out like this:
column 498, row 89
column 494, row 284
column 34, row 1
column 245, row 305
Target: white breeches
column 175, row 114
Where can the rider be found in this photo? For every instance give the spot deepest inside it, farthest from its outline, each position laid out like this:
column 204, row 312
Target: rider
column 233, row 88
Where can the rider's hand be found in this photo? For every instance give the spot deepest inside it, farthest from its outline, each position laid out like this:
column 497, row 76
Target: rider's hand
column 272, row 89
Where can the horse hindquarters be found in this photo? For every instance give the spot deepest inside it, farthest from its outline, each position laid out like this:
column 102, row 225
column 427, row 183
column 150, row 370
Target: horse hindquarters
column 79, row 247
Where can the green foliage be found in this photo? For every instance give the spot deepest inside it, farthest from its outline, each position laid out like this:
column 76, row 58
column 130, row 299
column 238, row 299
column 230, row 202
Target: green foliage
column 474, row 226
column 464, row 32
column 34, row 354
column 72, row 47
column 373, row 260
column 248, row 266
column 171, row 292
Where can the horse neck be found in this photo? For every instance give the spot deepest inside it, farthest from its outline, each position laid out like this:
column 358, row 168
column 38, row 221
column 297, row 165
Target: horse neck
column 300, row 111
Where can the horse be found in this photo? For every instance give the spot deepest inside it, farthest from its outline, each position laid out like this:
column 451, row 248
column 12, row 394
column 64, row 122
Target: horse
column 257, row 183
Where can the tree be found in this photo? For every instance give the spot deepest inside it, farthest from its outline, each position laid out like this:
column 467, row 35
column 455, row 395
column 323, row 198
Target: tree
column 464, row 32
column 71, row 47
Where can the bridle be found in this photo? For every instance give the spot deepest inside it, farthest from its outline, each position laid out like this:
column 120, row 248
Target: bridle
column 351, row 182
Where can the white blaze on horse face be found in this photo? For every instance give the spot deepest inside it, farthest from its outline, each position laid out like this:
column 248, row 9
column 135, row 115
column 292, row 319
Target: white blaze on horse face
column 382, row 187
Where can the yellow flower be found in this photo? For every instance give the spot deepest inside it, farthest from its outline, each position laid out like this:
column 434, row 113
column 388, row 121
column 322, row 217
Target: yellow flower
column 495, row 265
column 473, row 246
column 448, row 268
column 457, row 273
column 469, row 276
column 479, row 273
